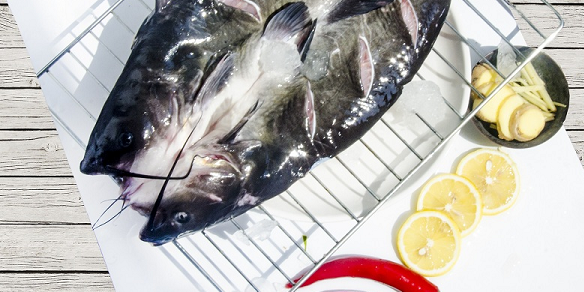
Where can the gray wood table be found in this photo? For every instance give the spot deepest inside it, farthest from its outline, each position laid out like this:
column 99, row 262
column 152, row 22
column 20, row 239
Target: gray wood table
column 46, row 241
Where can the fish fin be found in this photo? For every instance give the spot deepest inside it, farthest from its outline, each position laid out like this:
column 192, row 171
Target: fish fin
column 304, row 46
column 310, row 112
column 366, row 69
column 288, row 23
column 410, row 18
column 161, row 4
column 216, row 80
column 194, row 85
column 247, row 6
column 233, row 133
column 350, row 8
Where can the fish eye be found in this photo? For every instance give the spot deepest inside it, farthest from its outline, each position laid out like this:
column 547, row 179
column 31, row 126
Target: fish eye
column 126, row 139
column 183, row 54
column 182, row 217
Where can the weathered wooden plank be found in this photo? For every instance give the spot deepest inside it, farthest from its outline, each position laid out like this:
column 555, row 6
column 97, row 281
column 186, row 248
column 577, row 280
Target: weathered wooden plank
column 575, row 117
column 49, row 248
column 24, row 109
column 577, row 138
column 43, row 200
column 16, row 69
column 546, row 21
column 60, row 282
column 32, row 153
column 9, row 33
column 570, row 62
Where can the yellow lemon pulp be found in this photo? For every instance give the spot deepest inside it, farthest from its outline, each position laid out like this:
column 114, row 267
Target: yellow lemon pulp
column 429, row 243
column 496, row 177
column 456, row 196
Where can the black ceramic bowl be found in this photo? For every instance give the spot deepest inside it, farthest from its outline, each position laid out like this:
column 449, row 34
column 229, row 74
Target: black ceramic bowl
column 555, row 84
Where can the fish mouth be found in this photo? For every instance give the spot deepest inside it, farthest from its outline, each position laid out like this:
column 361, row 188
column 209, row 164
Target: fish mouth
column 151, row 234
column 153, row 238
column 92, row 165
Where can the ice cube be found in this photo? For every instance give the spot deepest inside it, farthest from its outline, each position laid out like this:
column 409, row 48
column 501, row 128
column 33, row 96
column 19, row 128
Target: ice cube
column 424, row 98
column 506, row 58
column 259, row 231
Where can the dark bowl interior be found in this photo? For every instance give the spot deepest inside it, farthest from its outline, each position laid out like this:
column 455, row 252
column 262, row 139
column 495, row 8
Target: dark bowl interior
column 557, row 87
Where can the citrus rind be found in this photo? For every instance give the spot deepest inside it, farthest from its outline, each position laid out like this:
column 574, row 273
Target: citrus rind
column 456, row 196
column 496, row 197
column 429, row 243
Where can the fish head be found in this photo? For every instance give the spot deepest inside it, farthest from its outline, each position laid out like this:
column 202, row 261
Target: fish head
column 151, row 96
column 114, row 142
column 217, row 188
column 175, row 48
column 140, row 108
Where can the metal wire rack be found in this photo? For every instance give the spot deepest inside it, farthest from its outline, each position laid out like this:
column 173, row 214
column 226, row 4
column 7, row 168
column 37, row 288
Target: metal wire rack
column 231, row 256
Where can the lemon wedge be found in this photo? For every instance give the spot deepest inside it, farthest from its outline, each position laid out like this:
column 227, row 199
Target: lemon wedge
column 496, row 177
column 456, row 196
column 429, row 243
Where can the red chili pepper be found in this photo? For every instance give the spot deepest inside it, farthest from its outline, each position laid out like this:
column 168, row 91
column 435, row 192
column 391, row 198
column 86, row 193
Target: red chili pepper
column 387, row 272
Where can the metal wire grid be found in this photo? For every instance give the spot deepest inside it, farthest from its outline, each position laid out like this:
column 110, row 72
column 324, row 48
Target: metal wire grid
column 274, row 254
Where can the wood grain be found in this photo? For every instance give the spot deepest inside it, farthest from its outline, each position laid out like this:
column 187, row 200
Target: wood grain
column 62, row 282
column 24, row 109
column 577, row 138
column 32, row 153
column 570, row 62
column 9, row 34
column 16, row 69
column 30, row 200
column 574, row 119
column 49, row 248
column 569, row 37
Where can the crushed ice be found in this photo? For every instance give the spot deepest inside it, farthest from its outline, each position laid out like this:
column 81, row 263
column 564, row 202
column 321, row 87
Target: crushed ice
column 422, row 97
column 506, row 58
column 259, row 231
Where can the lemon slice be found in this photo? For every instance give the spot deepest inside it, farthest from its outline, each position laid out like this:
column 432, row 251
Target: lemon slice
column 429, row 243
column 496, row 177
column 455, row 196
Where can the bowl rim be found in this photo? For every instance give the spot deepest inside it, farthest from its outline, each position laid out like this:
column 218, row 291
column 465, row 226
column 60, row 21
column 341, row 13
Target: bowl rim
column 551, row 127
